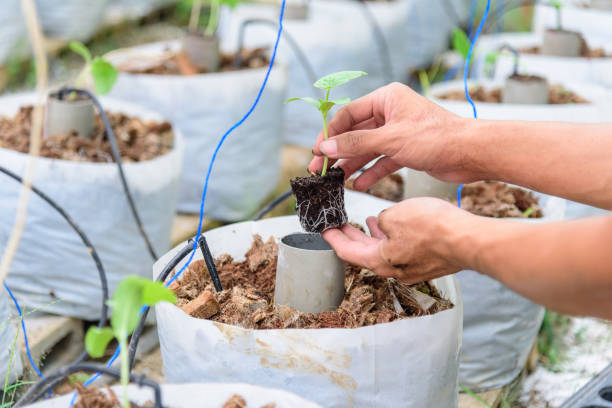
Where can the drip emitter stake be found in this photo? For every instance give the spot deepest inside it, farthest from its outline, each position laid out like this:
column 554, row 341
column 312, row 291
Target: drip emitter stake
column 210, row 263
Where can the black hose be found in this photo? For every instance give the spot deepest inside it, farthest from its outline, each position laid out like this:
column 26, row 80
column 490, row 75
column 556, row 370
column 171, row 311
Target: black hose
column 300, row 55
column 271, row 205
column 515, row 53
column 135, row 338
column 46, row 383
column 90, row 247
column 379, row 37
column 117, row 156
column 210, row 263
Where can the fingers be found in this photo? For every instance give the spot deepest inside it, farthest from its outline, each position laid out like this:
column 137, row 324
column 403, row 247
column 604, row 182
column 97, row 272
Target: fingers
column 357, row 252
column 354, row 233
column 382, row 168
column 350, row 166
column 375, row 230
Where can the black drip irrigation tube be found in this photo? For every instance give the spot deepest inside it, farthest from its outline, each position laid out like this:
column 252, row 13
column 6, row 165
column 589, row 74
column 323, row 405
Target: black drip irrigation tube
column 379, row 37
column 515, row 53
column 41, row 387
column 300, row 55
column 117, row 156
column 271, row 205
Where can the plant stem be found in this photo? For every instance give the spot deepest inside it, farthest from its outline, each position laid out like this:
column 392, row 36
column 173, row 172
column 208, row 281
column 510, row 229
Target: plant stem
column 125, row 371
column 326, row 160
column 213, row 19
column 195, row 15
column 558, row 18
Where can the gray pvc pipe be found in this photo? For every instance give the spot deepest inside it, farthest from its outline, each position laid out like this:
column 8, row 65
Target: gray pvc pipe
column 532, row 91
column 296, row 10
column 64, row 116
column 202, row 51
column 561, row 43
column 309, row 274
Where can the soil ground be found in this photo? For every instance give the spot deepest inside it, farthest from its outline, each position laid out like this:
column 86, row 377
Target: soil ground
column 556, row 95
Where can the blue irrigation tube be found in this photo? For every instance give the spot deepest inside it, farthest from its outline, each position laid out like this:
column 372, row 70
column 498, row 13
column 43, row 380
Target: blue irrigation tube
column 25, row 334
column 466, row 70
column 207, row 179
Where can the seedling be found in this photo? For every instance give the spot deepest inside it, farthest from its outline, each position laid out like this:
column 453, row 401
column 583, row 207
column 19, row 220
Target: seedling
column 324, row 105
column 103, row 73
column 558, row 5
column 461, row 43
column 131, row 295
column 213, row 17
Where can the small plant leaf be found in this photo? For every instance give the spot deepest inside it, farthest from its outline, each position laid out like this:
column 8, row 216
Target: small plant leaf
column 97, row 339
column 314, row 102
column 338, row 78
column 461, row 43
column 341, row 101
column 155, row 292
column 556, row 4
column 104, row 75
column 81, row 49
column 126, row 304
column 230, row 3
column 325, row 106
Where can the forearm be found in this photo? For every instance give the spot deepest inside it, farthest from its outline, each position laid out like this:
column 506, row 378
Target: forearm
column 566, row 266
column 562, row 159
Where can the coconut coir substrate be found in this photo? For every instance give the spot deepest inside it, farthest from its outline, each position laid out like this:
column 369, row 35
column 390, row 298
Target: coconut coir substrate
column 389, row 188
column 320, row 200
column 499, row 200
column 557, row 95
column 138, row 139
column 247, row 298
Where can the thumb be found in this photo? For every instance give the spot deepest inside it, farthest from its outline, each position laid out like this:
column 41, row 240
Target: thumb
column 354, row 144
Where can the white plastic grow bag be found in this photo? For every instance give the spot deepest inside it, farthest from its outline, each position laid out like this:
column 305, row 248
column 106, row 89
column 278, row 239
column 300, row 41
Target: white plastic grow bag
column 591, row 22
column 411, row 362
column 596, row 111
column 9, row 344
column 335, row 37
column 204, row 107
column 118, row 10
column 499, row 325
column 14, row 41
column 52, row 270
column 71, row 19
column 593, row 70
column 200, row 396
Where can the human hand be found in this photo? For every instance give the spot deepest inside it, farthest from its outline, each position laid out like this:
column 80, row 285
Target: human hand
column 401, row 127
column 416, row 240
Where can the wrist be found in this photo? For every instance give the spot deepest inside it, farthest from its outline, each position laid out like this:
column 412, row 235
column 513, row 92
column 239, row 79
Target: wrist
column 474, row 136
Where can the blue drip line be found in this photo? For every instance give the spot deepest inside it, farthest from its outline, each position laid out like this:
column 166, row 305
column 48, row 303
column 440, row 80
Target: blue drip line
column 208, row 173
column 466, row 69
column 25, row 334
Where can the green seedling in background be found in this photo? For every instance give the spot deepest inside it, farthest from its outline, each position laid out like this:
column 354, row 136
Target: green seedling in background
column 461, row 43
column 213, row 16
column 131, row 295
column 104, row 74
column 558, row 5
column 324, row 105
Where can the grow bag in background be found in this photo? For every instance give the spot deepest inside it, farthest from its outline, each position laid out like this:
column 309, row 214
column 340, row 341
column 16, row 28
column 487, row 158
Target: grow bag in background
column 52, row 270
column 587, row 70
column 200, row 396
column 8, row 343
column 335, row 37
column 592, row 22
column 70, row 19
column 14, row 43
column 499, row 325
column 118, row 10
column 204, row 107
column 410, row 362
column 596, row 111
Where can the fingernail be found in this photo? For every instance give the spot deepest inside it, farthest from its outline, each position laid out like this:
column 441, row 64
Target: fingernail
column 329, row 148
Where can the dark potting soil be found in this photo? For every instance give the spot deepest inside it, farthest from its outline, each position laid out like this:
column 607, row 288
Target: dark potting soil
column 93, row 397
column 389, row 188
column 178, row 63
column 557, row 95
column 247, row 298
column 499, row 200
column 138, row 139
column 236, row 401
column 320, row 200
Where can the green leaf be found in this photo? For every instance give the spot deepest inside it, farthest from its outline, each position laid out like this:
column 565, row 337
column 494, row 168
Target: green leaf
column 338, row 78
column 126, row 304
column 341, row 101
column 230, row 3
column 81, row 49
column 492, row 57
column 461, row 42
column 314, row 102
column 104, row 75
column 325, row 106
column 556, row 4
column 97, row 339
column 155, row 292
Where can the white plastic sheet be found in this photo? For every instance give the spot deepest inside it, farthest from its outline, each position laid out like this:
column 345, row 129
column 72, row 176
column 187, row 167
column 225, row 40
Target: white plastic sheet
column 118, row 10
column 589, row 21
column 14, row 41
column 204, row 107
column 596, row 111
column 9, row 344
column 52, row 269
column 411, row 362
column 499, row 325
column 593, row 70
column 71, row 19
column 200, row 396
